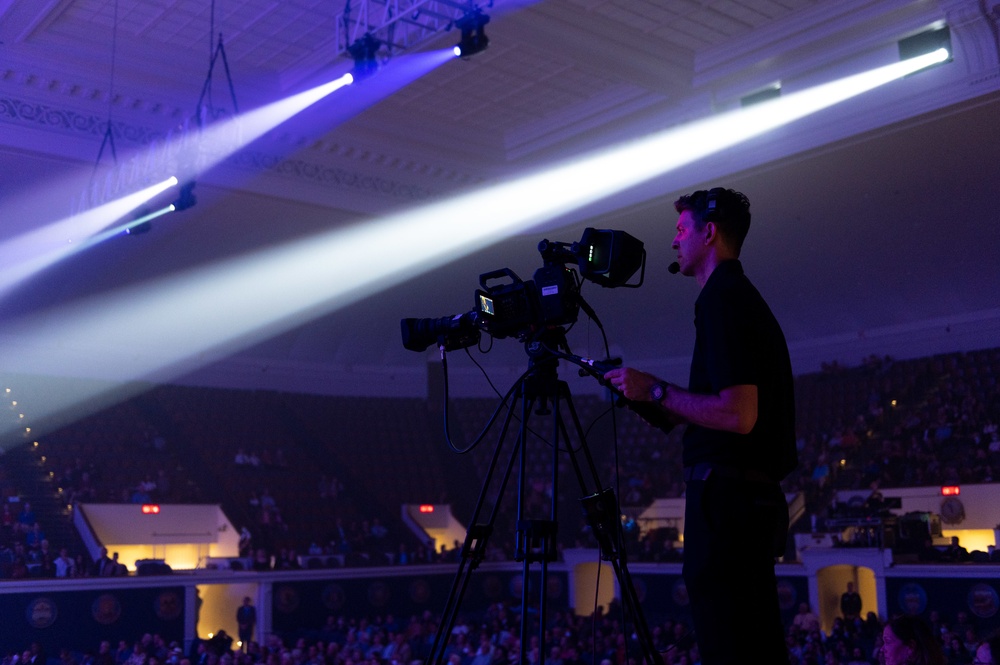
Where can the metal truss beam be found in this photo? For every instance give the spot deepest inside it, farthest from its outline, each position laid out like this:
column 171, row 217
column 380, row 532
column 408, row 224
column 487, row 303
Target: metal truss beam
column 399, row 24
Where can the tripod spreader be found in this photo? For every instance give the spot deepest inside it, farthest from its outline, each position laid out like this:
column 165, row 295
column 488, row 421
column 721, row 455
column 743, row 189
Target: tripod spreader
column 536, row 541
column 601, row 512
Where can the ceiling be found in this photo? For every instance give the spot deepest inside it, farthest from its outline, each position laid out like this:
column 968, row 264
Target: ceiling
column 875, row 223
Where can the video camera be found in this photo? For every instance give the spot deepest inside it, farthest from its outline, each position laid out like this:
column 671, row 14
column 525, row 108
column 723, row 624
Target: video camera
column 515, row 308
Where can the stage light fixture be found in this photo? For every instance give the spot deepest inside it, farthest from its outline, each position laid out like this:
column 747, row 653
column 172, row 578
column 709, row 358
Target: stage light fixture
column 474, row 39
column 765, row 95
column 186, row 198
column 926, row 42
column 364, row 51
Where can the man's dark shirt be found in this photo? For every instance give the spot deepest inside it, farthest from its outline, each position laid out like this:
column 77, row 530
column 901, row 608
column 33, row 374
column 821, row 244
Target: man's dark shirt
column 246, row 615
column 850, row 604
column 739, row 342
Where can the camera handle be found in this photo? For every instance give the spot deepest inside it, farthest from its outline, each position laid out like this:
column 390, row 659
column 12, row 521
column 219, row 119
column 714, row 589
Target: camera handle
column 496, row 274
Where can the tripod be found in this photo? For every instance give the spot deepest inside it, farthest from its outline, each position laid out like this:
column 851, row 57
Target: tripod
column 536, row 538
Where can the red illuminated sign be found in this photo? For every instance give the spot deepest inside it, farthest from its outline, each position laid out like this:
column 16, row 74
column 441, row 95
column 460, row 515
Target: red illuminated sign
column 950, row 490
column 150, row 509
column 426, row 508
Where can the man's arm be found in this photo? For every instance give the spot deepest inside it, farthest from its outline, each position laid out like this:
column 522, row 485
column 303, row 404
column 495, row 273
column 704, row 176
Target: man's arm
column 655, row 415
column 635, row 386
column 734, row 409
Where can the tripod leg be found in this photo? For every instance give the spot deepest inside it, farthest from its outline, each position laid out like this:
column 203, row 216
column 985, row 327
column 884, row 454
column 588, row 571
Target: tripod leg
column 535, row 538
column 603, row 516
column 474, row 548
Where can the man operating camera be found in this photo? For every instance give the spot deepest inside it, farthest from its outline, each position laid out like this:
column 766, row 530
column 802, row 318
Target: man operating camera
column 740, row 436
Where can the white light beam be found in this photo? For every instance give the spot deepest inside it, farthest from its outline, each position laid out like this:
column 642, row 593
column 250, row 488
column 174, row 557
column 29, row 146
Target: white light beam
column 168, row 328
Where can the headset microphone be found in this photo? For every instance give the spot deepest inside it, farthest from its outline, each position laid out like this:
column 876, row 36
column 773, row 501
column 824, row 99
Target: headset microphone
column 674, row 268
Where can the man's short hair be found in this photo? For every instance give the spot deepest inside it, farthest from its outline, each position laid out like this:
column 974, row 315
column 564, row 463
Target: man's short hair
column 728, row 209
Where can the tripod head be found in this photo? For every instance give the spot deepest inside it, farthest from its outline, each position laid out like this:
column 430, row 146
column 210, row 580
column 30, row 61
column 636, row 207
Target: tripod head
column 549, row 346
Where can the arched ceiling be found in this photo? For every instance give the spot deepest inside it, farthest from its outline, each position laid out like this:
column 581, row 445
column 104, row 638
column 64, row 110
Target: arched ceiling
column 874, row 221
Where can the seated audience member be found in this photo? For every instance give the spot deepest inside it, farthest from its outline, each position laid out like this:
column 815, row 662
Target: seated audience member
column 46, row 568
column 907, row 640
column 261, row 560
column 102, row 565
column 64, row 565
column 26, row 519
column 988, row 650
column 38, row 552
column 7, row 519
column 35, row 536
column 955, row 552
column 116, row 568
column 806, row 620
column 19, row 569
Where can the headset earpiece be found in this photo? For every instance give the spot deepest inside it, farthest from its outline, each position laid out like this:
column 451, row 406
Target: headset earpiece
column 712, row 204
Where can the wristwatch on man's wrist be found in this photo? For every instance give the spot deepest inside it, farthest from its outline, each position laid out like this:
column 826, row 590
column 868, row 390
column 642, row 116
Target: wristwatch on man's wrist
column 658, row 391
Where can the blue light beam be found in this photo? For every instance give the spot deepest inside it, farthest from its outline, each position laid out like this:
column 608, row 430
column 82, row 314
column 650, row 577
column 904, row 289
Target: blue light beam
column 166, row 329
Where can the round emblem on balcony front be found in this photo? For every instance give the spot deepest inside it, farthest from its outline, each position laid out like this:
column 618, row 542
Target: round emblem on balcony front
column 41, row 613
column 106, row 609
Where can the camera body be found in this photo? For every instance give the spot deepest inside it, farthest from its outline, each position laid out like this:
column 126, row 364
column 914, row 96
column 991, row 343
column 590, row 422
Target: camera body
column 517, row 308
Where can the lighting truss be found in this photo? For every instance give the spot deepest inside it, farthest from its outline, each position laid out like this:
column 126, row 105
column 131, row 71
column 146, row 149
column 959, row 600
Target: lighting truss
column 399, row 24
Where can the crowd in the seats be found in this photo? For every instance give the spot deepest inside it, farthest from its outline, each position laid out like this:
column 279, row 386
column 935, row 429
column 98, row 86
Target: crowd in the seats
column 931, row 421
column 494, row 638
column 25, row 550
column 883, row 424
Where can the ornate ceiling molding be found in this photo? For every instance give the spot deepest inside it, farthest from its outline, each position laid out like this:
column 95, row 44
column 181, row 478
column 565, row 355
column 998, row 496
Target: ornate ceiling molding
column 327, row 176
column 63, row 121
column 68, row 121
